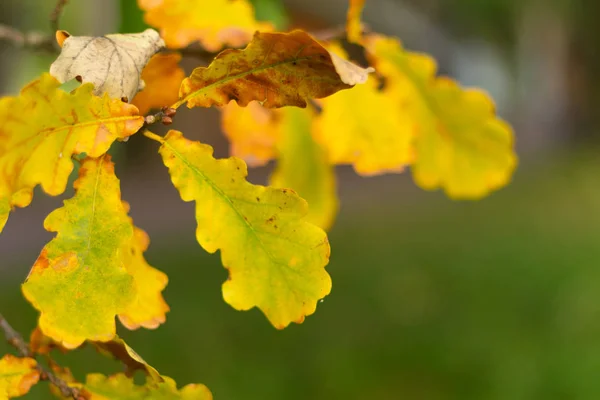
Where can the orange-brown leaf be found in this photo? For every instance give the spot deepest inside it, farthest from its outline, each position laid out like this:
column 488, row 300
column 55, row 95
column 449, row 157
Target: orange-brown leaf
column 276, row 69
column 17, row 376
column 163, row 77
column 353, row 25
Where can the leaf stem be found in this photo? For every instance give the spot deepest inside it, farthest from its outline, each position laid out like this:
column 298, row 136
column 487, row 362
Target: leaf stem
column 15, row 339
column 153, row 136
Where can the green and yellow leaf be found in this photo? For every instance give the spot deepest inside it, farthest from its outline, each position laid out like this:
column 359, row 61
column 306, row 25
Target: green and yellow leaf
column 213, row 23
column 121, row 387
column 163, row 77
column 118, row 349
column 17, row 376
column 460, row 144
column 43, row 127
column 275, row 69
column 353, row 24
column 80, row 282
column 275, row 258
column 303, row 166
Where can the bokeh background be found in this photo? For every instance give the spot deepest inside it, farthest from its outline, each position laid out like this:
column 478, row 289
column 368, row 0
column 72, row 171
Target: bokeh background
column 432, row 298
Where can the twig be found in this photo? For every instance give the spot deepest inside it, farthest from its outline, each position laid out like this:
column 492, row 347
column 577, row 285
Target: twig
column 56, row 14
column 32, row 40
column 16, row 340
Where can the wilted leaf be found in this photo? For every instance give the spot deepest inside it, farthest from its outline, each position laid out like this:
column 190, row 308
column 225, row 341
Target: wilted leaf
column 132, row 360
column 42, row 344
column 79, row 282
column 42, row 128
column 17, row 376
column 148, row 308
column 113, row 63
column 366, row 128
column 120, row 387
column 460, row 144
column 303, row 166
column 275, row 69
column 214, row 23
column 275, row 258
column 163, row 77
column 251, row 132
column 353, row 25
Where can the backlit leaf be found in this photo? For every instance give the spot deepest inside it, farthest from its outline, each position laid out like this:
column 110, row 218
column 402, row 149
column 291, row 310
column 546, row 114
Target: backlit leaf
column 460, row 144
column 113, row 63
column 214, row 23
column 366, row 128
column 251, row 132
column 79, row 283
column 275, row 258
column 120, row 387
column 163, row 77
column 353, row 25
column 303, row 166
column 42, row 128
column 17, row 376
column 276, row 69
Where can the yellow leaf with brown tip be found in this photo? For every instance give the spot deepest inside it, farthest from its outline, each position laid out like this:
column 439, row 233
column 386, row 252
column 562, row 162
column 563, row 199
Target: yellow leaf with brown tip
column 17, row 376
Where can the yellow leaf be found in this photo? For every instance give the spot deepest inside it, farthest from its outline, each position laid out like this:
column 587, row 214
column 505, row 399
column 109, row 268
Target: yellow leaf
column 120, row 387
column 113, row 63
column 251, row 132
column 214, row 23
column 79, row 283
column 353, row 25
column 149, row 308
column 121, row 351
column 366, row 128
column 275, row 258
column 460, row 144
column 303, row 167
column 163, row 77
column 275, row 69
column 42, row 128
column 17, row 376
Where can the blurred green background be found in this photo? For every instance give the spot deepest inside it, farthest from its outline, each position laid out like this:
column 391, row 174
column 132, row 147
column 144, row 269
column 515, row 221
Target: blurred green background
column 432, row 299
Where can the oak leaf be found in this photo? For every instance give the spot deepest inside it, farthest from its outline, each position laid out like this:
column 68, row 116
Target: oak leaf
column 133, row 362
column 113, row 63
column 162, row 76
column 365, row 128
column 460, row 144
column 353, row 24
column 302, row 165
column 275, row 69
column 43, row 127
column 17, row 376
column 79, row 282
column 275, row 258
column 214, row 23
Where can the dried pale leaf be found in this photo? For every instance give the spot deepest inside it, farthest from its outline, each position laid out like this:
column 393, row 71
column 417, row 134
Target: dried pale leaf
column 113, row 63
column 251, row 131
column 162, row 76
column 276, row 259
column 43, row 127
column 17, row 376
column 275, row 69
column 353, row 25
column 79, row 282
column 214, row 23
column 460, row 144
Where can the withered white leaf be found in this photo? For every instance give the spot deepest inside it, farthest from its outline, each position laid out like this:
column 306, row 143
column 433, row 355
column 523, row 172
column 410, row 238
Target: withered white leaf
column 113, row 63
column 350, row 73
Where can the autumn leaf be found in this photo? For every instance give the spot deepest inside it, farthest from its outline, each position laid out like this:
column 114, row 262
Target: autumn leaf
column 275, row 69
column 148, row 309
column 353, row 25
column 79, row 282
column 118, row 349
column 214, row 23
column 119, row 386
column 113, row 63
column 42, row 344
column 275, row 258
column 42, row 128
column 364, row 127
column 251, row 132
column 302, row 166
column 163, row 77
column 460, row 144
column 17, row 376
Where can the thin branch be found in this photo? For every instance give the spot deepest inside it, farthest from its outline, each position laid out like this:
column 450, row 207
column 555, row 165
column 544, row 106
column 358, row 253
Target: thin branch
column 33, row 40
column 16, row 340
column 56, row 14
